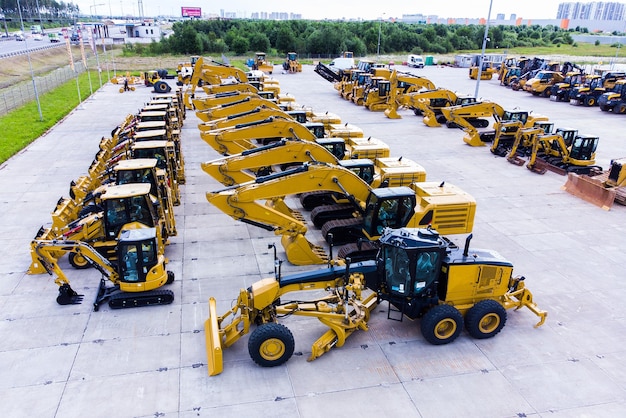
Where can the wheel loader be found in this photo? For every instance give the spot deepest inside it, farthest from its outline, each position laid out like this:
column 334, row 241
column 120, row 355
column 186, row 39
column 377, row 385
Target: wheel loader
column 420, row 274
column 137, row 273
column 261, row 203
column 602, row 189
column 261, row 64
column 291, row 63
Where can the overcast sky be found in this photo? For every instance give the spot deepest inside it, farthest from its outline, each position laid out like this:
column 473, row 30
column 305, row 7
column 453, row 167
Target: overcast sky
column 331, row 9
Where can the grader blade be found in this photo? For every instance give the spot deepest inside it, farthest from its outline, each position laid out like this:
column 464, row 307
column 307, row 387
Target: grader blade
column 213, row 342
column 301, row 252
column 590, row 189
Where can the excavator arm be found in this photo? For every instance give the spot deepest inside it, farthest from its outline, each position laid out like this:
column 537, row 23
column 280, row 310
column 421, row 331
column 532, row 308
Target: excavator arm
column 461, row 115
column 420, row 101
column 236, row 169
column 241, row 202
column 401, row 85
column 238, row 106
column 239, row 138
column 256, row 114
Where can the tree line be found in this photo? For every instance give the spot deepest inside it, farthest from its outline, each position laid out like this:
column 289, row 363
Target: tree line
column 330, row 38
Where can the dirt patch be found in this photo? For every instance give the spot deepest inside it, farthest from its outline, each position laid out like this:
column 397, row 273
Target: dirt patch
column 14, row 70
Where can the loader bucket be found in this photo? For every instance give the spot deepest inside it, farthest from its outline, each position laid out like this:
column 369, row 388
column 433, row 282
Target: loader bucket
column 301, row 252
column 213, row 342
column 590, row 189
column 473, row 140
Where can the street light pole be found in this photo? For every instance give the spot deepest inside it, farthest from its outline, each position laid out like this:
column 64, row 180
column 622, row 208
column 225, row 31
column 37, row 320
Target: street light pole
column 482, row 55
column 380, row 27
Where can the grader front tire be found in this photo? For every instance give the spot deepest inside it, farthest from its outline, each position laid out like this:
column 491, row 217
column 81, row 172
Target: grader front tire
column 442, row 324
column 271, row 345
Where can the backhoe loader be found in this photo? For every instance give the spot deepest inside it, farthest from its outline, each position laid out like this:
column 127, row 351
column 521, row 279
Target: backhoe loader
column 128, row 206
column 602, row 189
column 420, row 274
column 595, row 86
column 137, row 273
column 560, row 92
column 446, row 208
column 542, row 82
column 614, row 100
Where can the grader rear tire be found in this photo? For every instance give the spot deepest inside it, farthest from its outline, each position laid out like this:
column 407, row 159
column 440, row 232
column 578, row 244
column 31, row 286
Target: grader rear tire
column 271, row 345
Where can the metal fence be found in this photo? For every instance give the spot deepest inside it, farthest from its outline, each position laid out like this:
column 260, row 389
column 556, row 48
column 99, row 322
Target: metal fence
column 13, row 97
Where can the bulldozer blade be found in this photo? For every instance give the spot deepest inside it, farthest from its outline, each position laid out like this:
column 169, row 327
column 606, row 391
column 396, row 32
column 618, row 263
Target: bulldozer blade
column 301, row 252
column 67, row 296
column 213, row 342
column 590, row 189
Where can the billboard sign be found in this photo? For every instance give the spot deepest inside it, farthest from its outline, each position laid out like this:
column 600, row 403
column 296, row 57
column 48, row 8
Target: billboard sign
column 191, row 11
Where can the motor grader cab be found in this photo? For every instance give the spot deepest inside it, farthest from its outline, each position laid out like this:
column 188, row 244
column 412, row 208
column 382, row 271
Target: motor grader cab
column 603, row 189
column 291, row 63
column 136, row 275
column 615, row 100
column 564, row 151
column 542, row 82
column 261, row 64
column 420, row 274
column 445, row 207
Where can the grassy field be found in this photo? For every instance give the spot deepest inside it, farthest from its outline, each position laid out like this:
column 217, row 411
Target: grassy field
column 22, row 126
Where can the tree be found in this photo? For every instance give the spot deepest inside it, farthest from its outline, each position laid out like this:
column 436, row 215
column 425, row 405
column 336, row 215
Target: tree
column 240, row 45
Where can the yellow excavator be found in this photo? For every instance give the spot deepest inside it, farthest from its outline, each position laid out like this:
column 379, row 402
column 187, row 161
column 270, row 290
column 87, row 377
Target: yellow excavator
column 238, row 106
column 420, row 274
column 469, row 117
column 405, row 86
column 137, row 274
column 603, row 189
column 508, row 128
column 564, row 151
column 442, row 206
column 428, row 103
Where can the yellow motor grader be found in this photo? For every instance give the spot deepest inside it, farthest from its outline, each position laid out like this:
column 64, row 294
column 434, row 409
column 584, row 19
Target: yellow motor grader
column 421, row 275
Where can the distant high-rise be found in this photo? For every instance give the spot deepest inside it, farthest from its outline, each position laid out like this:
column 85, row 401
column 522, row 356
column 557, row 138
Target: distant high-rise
column 596, row 10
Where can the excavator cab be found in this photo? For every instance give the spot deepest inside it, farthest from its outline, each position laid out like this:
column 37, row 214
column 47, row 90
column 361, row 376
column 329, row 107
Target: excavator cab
column 362, row 167
column 336, row 146
column 137, row 254
column 584, row 148
column 388, row 208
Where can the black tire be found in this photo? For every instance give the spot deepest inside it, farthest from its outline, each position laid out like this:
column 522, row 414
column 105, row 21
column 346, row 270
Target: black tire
column 78, row 261
column 170, row 277
column 485, row 319
column 162, row 87
column 442, row 324
column 621, row 108
column 590, row 101
column 271, row 345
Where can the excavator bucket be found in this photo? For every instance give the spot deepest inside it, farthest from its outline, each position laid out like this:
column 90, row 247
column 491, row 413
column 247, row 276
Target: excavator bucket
column 392, row 113
column 431, row 121
column 213, row 342
column 590, row 189
column 301, row 252
column 473, row 140
column 68, row 296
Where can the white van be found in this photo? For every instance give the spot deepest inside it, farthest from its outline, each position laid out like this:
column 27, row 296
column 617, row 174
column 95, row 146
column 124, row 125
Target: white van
column 415, row 61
